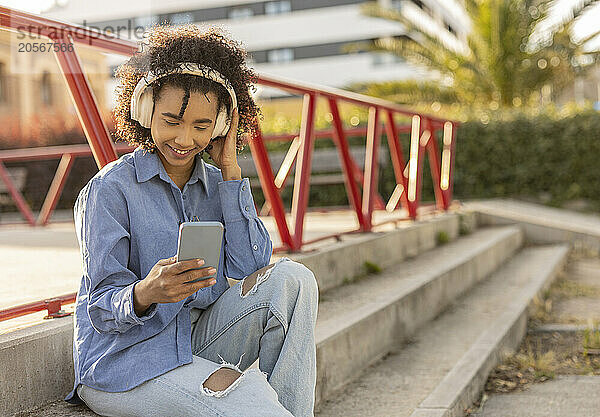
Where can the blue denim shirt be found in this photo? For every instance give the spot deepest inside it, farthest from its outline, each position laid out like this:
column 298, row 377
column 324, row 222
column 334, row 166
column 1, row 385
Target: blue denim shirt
column 127, row 218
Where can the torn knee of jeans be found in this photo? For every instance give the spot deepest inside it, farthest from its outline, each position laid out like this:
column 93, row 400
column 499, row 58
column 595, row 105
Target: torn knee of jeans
column 223, row 380
column 254, row 279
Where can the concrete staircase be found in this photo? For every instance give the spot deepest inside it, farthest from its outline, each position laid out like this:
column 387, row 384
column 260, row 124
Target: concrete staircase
column 438, row 314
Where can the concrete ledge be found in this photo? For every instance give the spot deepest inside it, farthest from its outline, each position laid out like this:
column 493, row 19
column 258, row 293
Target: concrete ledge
column 37, row 365
column 346, row 260
column 542, row 234
column 348, row 343
column 463, row 384
column 541, row 224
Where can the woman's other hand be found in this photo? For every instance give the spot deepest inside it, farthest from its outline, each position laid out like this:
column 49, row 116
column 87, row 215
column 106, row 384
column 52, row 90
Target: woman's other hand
column 165, row 282
column 223, row 151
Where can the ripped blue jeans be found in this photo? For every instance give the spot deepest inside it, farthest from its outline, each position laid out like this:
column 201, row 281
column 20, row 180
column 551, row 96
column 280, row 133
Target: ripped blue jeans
column 273, row 321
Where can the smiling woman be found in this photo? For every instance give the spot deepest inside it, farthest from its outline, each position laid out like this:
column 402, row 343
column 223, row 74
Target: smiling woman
column 168, row 47
column 147, row 340
column 180, row 132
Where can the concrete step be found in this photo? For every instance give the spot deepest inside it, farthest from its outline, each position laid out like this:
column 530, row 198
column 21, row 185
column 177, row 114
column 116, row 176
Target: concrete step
column 541, row 224
column 359, row 323
column 443, row 368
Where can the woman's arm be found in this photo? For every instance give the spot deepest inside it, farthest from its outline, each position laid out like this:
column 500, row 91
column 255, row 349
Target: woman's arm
column 102, row 227
column 248, row 246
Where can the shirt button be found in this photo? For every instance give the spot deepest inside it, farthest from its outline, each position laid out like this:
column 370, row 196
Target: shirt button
column 255, row 247
column 246, row 208
column 244, row 187
column 184, row 197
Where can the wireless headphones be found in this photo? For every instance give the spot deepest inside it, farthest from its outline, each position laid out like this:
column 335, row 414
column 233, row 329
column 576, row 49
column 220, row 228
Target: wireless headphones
column 142, row 101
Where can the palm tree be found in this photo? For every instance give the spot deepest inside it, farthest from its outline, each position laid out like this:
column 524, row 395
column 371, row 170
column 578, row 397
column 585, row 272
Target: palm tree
column 508, row 58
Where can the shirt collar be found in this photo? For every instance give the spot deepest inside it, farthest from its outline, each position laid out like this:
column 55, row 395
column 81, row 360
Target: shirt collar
column 148, row 164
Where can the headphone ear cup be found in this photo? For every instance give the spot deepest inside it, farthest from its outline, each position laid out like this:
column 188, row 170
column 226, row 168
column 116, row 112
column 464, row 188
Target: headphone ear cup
column 142, row 112
column 221, row 124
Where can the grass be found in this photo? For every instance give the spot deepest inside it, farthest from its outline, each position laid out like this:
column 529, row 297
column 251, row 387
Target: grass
column 541, row 311
column 368, row 268
column 442, row 237
column 591, row 337
column 464, row 228
column 569, row 289
column 371, row 267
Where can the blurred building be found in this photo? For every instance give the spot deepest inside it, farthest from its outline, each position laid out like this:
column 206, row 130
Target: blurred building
column 33, row 92
column 316, row 41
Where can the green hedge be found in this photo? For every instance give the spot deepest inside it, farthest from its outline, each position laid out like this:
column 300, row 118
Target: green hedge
column 542, row 157
column 545, row 157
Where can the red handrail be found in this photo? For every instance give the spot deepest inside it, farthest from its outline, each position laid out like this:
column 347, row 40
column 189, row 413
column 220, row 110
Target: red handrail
column 53, row 305
column 408, row 175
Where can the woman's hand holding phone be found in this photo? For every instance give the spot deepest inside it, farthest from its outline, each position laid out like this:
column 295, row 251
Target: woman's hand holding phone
column 166, row 282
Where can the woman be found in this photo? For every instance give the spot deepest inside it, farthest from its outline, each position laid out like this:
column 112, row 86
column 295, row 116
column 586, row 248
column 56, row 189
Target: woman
column 145, row 342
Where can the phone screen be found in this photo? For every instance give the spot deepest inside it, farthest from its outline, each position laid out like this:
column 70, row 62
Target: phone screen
column 201, row 240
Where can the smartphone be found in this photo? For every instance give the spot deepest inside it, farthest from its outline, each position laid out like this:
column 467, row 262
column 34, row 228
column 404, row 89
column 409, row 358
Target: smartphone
column 200, row 240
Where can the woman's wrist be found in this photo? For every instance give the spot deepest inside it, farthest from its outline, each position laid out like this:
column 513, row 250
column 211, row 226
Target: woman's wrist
column 140, row 302
column 231, row 173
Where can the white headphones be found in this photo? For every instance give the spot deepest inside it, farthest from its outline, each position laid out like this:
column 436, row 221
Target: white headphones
column 142, row 101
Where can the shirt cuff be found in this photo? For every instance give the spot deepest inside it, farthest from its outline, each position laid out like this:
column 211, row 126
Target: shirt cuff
column 150, row 312
column 236, row 200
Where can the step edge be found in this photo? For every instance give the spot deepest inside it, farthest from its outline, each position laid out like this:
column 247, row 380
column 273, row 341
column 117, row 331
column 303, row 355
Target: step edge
column 330, row 339
column 478, row 366
column 364, row 311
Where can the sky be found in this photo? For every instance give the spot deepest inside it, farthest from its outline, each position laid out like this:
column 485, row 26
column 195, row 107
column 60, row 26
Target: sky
column 587, row 24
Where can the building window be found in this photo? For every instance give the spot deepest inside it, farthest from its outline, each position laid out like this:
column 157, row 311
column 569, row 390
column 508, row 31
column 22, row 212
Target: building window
column 181, row 18
column 277, row 7
column 250, row 60
column 46, row 89
column 146, row 21
column 280, row 55
column 385, row 58
column 240, row 13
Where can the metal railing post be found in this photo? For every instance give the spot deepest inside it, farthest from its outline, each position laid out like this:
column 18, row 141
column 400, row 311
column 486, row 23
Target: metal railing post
column 434, row 166
column 303, row 167
column 267, row 183
column 371, row 166
column 397, row 158
column 16, row 196
column 341, row 143
column 58, row 182
column 86, row 105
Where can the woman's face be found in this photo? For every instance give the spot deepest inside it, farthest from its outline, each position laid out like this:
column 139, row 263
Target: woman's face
column 189, row 131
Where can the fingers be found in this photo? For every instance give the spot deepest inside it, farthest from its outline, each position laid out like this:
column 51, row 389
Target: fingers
column 232, row 132
column 182, row 266
column 167, row 261
column 184, row 271
column 196, row 274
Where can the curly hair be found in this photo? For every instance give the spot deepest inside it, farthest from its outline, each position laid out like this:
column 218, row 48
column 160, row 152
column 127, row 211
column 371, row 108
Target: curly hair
column 166, row 47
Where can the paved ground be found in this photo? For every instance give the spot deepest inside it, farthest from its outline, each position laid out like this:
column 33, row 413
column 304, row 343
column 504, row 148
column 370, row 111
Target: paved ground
column 585, row 276
column 565, row 396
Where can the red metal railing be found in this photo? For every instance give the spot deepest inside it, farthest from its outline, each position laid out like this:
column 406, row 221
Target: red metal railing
column 423, row 129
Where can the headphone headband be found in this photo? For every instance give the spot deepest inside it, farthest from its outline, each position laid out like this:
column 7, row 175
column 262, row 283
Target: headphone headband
column 142, row 101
